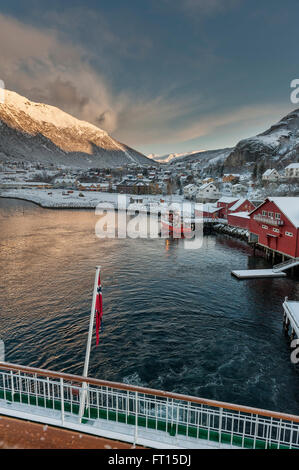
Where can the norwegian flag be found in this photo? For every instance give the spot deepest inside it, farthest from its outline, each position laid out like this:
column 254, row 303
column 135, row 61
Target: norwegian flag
column 99, row 310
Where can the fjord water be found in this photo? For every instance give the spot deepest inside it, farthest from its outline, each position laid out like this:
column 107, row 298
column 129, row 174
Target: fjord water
column 174, row 319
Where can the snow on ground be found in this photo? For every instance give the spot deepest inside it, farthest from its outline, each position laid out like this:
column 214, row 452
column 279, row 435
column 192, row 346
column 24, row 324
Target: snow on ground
column 56, row 198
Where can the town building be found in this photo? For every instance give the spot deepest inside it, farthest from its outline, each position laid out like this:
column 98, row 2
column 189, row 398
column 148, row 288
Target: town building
column 207, row 191
column 239, row 188
column 274, row 225
column 230, row 178
column 242, row 205
column 207, row 211
column 190, row 190
column 292, row 170
column 239, row 220
column 271, row 175
column 225, row 203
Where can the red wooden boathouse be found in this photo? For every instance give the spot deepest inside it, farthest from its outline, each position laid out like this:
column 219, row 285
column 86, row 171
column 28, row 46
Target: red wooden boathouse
column 275, row 225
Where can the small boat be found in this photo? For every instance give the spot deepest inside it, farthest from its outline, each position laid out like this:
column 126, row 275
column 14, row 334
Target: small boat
column 175, row 224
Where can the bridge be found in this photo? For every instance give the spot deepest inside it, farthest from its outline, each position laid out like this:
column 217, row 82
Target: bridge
column 290, row 263
column 138, row 415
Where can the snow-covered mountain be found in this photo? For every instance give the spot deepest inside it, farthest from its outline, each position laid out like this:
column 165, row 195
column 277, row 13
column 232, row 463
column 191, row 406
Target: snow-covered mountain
column 276, row 147
column 169, row 157
column 38, row 132
column 206, row 159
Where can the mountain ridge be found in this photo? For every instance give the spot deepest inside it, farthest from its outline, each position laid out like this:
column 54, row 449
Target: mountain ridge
column 276, row 147
column 39, row 132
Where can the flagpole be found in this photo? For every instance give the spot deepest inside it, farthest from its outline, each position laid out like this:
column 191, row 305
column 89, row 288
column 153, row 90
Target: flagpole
column 89, row 339
column 91, row 322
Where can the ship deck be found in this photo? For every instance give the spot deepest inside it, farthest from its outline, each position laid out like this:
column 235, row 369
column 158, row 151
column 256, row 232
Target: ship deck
column 21, row 434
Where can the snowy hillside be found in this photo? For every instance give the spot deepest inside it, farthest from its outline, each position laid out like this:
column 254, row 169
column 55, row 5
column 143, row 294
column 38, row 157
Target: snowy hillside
column 205, row 159
column 278, row 146
column 39, row 132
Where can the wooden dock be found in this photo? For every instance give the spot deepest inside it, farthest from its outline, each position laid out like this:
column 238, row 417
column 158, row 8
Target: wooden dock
column 257, row 273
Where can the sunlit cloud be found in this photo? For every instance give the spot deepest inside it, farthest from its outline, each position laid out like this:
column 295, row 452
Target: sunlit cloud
column 72, row 70
column 37, row 64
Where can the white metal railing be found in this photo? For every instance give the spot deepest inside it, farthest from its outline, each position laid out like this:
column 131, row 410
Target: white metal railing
column 268, row 220
column 52, row 395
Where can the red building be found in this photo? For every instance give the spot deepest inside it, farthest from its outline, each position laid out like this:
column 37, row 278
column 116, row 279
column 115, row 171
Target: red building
column 209, row 211
column 225, row 203
column 239, row 219
column 242, row 205
column 275, row 225
column 233, row 204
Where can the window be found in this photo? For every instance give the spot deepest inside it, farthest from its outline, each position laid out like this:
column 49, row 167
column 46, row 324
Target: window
column 289, row 234
column 264, row 213
column 271, row 214
column 276, row 230
column 265, row 227
column 277, row 215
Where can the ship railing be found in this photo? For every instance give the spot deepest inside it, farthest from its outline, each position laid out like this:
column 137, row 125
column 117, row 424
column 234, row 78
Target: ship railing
column 52, row 397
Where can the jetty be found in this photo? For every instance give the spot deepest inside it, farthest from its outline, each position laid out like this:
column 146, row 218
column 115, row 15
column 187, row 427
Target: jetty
column 138, row 415
column 277, row 271
column 291, row 317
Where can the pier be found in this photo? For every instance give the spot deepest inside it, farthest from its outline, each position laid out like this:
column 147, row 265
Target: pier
column 277, row 271
column 291, row 317
column 257, row 273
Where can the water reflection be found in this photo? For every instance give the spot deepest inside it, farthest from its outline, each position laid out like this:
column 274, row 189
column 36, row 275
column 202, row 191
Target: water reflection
column 174, row 318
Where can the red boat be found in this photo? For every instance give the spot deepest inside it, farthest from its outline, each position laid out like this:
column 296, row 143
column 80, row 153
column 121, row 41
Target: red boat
column 176, row 225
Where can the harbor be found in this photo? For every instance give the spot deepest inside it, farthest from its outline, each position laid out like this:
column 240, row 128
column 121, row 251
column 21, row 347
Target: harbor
column 218, row 324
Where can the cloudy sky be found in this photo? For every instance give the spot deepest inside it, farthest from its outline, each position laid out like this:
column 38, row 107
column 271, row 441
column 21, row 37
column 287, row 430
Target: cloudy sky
column 160, row 75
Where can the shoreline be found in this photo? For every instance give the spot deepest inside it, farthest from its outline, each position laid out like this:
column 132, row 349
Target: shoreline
column 91, row 202
column 39, row 204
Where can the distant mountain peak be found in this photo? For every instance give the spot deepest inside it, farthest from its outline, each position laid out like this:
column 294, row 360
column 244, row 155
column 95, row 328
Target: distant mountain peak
column 40, row 132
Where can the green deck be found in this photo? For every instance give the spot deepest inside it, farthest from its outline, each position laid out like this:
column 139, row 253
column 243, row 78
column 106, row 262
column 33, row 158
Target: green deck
column 149, row 423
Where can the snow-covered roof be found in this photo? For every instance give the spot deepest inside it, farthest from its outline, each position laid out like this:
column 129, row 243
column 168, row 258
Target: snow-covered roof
column 228, row 199
column 289, row 206
column 64, row 180
column 269, row 172
column 238, row 204
column 245, row 215
column 293, row 165
column 205, row 185
column 209, row 207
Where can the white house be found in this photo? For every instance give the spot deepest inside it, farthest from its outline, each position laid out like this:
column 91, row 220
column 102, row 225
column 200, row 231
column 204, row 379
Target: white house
column 190, row 190
column 271, row 175
column 239, row 188
column 207, row 191
column 292, row 170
